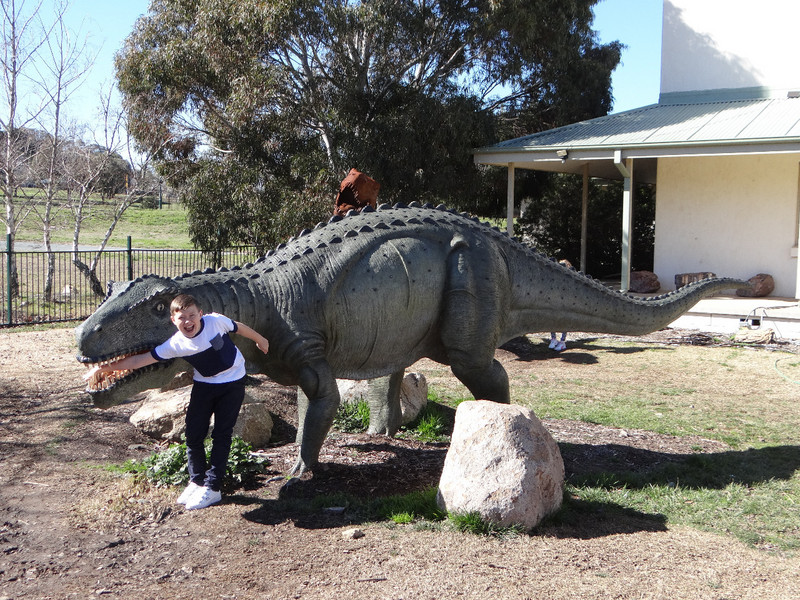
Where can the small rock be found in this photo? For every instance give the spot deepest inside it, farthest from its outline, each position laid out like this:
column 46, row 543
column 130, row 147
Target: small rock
column 745, row 335
column 352, row 534
column 762, row 285
column 413, row 394
column 644, row 282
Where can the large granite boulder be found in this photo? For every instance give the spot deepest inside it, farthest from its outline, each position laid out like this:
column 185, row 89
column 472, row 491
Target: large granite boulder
column 502, row 464
column 162, row 416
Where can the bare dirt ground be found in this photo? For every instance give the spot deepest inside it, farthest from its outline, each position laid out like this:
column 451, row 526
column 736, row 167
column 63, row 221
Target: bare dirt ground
column 71, row 529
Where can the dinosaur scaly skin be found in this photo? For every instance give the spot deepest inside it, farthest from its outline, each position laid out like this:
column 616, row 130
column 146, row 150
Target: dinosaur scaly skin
column 365, row 297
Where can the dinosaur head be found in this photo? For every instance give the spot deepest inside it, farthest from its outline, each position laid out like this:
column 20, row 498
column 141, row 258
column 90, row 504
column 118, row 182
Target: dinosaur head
column 133, row 318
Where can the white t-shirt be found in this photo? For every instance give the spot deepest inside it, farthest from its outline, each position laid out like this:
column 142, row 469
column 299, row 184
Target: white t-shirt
column 211, row 352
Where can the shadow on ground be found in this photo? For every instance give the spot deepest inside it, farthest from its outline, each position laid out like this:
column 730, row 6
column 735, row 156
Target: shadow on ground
column 340, row 494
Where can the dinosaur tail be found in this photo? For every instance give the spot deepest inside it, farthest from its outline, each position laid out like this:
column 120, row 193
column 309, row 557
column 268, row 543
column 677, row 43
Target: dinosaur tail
column 602, row 310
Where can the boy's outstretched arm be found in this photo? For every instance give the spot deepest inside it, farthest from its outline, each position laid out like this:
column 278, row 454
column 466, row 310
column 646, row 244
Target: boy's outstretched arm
column 246, row 331
column 129, row 363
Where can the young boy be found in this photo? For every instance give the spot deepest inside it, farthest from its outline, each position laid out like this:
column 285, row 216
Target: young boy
column 203, row 341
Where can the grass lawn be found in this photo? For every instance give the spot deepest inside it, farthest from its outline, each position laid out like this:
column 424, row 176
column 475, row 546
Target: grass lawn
column 743, row 397
column 148, row 228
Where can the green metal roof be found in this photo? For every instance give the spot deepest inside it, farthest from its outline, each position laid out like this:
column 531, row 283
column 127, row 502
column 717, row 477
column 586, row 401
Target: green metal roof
column 750, row 126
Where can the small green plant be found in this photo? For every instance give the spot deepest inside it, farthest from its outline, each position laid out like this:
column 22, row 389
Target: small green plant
column 433, row 423
column 472, row 522
column 352, row 417
column 410, row 507
column 402, row 518
column 430, row 426
column 168, row 467
column 243, row 465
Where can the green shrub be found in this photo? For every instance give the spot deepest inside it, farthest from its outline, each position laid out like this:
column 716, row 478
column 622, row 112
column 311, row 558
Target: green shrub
column 169, row 467
column 430, row 427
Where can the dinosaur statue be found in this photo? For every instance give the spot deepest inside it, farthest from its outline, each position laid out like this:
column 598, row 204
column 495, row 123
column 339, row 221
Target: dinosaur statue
column 421, row 281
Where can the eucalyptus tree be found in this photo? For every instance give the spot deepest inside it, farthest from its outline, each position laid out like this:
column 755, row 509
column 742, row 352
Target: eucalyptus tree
column 109, row 166
column 20, row 43
column 61, row 70
column 259, row 107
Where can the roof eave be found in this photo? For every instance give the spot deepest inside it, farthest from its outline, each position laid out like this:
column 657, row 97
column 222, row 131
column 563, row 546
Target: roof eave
column 495, row 155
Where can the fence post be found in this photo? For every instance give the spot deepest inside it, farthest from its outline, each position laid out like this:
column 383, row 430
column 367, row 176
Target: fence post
column 130, row 260
column 9, row 272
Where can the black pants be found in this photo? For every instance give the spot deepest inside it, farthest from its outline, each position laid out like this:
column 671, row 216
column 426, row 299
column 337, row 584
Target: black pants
column 223, row 400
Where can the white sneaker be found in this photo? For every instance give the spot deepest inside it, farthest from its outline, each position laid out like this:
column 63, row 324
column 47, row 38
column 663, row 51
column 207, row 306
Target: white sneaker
column 202, row 498
column 187, row 493
column 560, row 346
column 553, row 343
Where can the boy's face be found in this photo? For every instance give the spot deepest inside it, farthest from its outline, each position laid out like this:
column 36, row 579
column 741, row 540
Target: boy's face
column 187, row 321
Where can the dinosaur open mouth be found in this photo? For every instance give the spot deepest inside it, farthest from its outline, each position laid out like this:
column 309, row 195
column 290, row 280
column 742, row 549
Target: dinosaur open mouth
column 104, row 381
column 101, row 381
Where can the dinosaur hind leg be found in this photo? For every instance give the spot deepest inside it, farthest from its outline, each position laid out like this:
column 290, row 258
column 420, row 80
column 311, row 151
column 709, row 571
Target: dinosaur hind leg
column 484, row 383
column 471, row 324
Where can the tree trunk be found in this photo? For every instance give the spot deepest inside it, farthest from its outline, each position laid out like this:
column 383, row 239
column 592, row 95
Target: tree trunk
column 91, row 277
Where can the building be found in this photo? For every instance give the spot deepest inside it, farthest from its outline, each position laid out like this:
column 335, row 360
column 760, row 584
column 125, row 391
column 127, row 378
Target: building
column 722, row 145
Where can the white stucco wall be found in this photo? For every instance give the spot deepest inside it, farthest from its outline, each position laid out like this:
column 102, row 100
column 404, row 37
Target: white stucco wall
column 735, row 216
column 713, row 44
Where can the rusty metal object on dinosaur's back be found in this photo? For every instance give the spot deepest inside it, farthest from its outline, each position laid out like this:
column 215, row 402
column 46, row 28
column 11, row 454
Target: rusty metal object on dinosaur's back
column 356, row 191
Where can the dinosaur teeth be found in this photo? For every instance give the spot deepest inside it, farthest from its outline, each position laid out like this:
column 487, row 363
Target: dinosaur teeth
column 101, row 381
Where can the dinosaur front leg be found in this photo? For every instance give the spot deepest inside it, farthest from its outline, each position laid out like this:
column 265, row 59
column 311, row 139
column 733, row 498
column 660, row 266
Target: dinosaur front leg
column 318, row 400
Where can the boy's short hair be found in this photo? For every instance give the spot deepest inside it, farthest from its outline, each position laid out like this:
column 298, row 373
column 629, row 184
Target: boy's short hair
column 182, row 302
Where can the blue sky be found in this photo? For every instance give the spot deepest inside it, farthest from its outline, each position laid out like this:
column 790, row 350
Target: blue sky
column 635, row 23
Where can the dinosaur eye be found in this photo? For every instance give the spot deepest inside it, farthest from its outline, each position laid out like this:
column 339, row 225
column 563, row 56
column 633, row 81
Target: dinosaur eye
column 160, row 307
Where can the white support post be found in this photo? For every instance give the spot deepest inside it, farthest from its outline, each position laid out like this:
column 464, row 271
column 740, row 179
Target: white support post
column 510, row 201
column 584, row 216
column 796, row 249
column 626, row 169
column 627, row 228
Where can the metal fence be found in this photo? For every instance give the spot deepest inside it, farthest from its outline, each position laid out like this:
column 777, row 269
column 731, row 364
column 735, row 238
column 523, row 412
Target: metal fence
column 72, row 298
